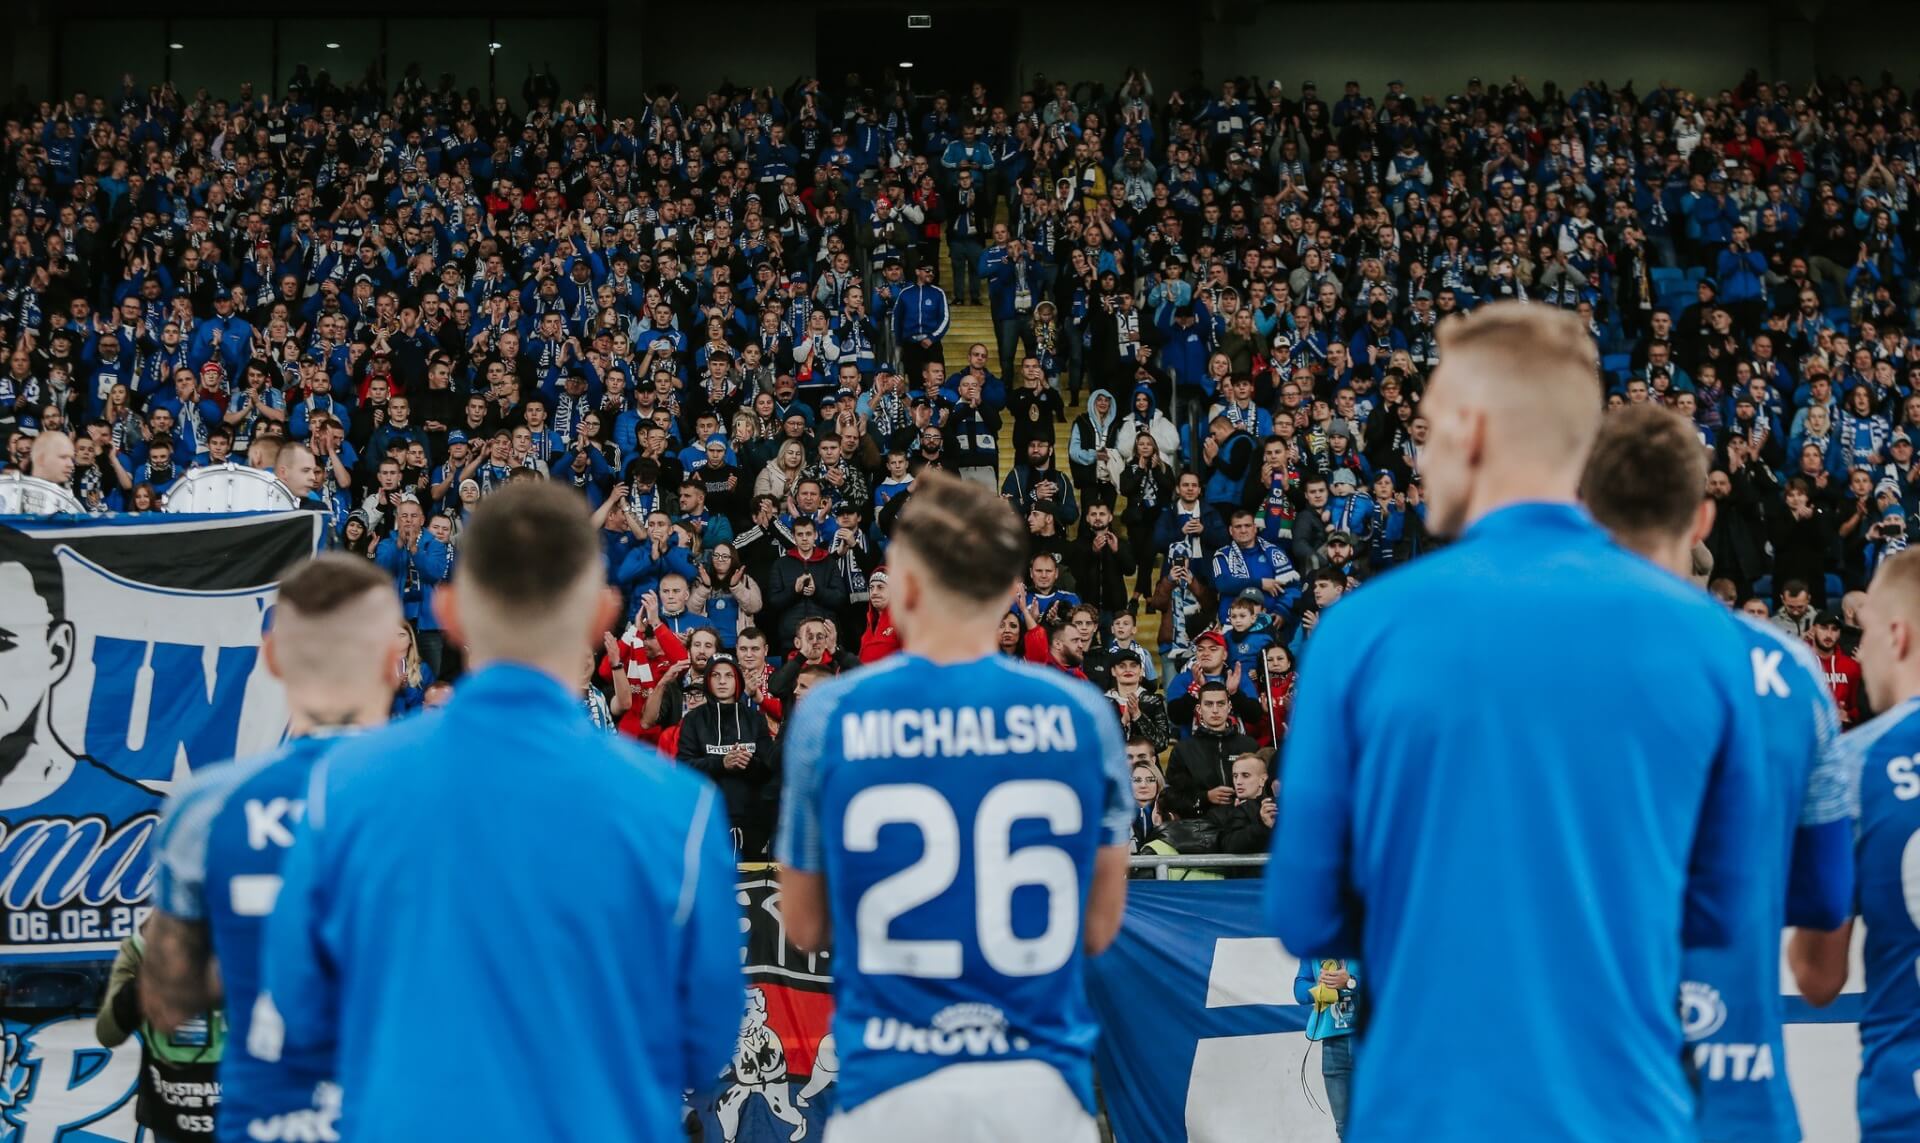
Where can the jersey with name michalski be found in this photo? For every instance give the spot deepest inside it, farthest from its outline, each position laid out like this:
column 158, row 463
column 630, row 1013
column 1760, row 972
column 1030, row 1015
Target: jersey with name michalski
column 1887, row 870
column 955, row 811
column 220, row 850
column 1730, row 1001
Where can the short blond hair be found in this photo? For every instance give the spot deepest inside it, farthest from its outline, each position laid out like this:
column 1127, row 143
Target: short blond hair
column 1536, row 369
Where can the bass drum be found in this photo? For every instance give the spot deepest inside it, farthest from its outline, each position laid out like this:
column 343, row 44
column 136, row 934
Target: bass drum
column 229, row 488
column 23, row 495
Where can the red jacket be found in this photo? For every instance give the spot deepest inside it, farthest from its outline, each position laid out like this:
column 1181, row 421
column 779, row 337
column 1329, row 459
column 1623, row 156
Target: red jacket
column 879, row 639
column 1038, row 648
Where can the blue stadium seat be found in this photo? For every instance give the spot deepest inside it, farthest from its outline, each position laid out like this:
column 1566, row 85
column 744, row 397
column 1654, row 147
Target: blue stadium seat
column 1616, row 365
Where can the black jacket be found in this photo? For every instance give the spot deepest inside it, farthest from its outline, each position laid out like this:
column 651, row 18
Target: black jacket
column 708, row 733
column 1100, row 578
column 1204, row 761
column 792, row 606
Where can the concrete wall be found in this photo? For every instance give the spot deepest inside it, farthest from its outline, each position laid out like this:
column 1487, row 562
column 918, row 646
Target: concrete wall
column 1431, row 44
column 1436, row 47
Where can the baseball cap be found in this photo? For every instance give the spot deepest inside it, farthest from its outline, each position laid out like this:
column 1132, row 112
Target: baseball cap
column 1210, row 637
column 1340, row 537
column 456, row 437
column 1900, row 437
column 1827, row 619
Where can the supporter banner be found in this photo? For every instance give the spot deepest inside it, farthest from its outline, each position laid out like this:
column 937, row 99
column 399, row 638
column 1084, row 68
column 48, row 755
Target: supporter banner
column 784, row 1065
column 1202, row 1039
column 134, row 659
column 58, row 1085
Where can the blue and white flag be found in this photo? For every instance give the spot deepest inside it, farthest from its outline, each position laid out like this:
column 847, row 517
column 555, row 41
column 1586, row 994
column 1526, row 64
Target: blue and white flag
column 129, row 657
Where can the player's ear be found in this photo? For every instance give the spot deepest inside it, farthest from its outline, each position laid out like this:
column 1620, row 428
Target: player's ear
column 1703, row 520
column 606, row 609
column 270, row 653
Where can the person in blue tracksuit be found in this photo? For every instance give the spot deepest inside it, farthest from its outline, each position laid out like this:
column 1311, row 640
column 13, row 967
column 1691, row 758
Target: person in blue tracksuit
column 1249, row 563
column 953, row 751
column 1880, row 759
column 448, row 864
column 1451, row 818
column 1332, row 986
column 1641, row 484
column 223, row 838
column 921, row 318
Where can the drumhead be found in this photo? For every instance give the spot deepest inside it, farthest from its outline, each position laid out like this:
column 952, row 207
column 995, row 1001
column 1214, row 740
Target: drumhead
column 229, row 488
column 23, row 495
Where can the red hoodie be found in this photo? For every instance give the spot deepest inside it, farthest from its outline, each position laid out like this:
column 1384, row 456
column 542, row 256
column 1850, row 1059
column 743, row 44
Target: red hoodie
column 879, row 639
column 1843, row 679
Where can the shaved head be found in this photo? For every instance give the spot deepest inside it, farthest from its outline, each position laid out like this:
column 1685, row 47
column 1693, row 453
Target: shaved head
column 335, row 634
column 1513, row 408
column 52, row 457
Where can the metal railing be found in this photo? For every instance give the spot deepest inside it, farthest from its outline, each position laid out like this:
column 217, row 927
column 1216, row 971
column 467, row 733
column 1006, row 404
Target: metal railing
column 1161, row 863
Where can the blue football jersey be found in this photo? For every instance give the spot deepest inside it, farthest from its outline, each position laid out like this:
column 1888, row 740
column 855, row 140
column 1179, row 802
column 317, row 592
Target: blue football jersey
column 1730, row 1001
column 220, row 848
column 1887, row 867
column 955, row 811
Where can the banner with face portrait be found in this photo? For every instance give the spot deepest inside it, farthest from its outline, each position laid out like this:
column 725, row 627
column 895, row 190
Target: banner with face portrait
column 129, row 657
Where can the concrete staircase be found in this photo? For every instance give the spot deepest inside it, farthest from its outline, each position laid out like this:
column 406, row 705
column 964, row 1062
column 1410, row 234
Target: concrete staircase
column 975, row 323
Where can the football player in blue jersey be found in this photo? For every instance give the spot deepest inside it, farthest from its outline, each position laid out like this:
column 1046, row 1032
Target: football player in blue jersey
column 1883, row 757
column 1569, row 826
column 335, row 642
column 1643, row 484
column 477, row 884
column 958, row 822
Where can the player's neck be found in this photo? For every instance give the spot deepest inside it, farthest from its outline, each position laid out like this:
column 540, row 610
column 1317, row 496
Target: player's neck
column 321, row 712
column 945, row 641
column 1506, row 488
column 1673, row 554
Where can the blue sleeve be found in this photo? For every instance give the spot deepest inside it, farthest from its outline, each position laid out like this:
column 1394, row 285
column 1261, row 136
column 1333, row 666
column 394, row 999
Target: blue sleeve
column 798, row 844
column 1729, row 815
column 301, row 983
column 634, row 567
column 1820, row 879
column 1225, row 583
column 181, row 842
column 946, row 317
column 712, row 992
column 387, row 555
column 436, row 560
column 1309, row 899
column 1304, row 980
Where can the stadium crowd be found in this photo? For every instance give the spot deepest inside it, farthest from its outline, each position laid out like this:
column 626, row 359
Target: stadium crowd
column 725, row 319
